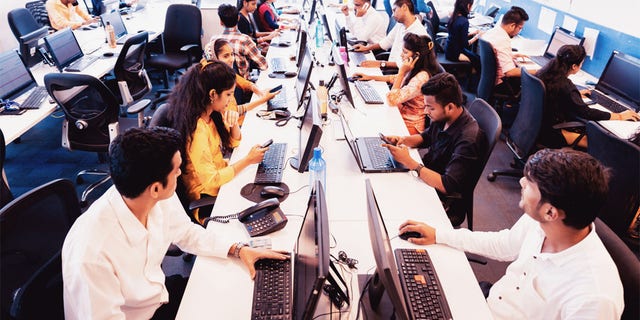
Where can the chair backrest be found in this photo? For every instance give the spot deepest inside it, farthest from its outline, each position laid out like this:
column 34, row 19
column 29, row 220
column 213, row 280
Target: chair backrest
column 130, row 65
column 488, row 70
column 5, row 193
column 22, row 22
column 182, row 26
column 623, row 158
column 628, row 268
column 39, row 12
column 435, row 19
column 524, row 131
column 41, row 296
column 490, row 123
column 492, row 11
column 88, row 113
column 160, row 117
column 32, row 230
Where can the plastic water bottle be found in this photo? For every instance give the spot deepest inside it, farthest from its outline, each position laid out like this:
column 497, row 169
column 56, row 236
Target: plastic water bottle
column 111, row 35
column 323, row 98
column 319, row 34
column 317, row 169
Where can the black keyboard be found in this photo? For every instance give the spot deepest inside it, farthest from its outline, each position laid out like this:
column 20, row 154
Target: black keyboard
column 272, row 290
column 379, row 155
column 272, row 165
column 369, row 95
column 607, row 102
column 278, row 65
column 279, row 102
column 35, row 99
column 81, row 63
column 422, row 289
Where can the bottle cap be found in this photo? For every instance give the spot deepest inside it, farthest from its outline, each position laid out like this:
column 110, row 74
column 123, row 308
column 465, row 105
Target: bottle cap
column 321, row 83
column 317, row 153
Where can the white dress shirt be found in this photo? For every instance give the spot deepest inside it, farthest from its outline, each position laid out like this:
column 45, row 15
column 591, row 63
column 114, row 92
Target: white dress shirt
column 580, row 282
column 371, row 27
column 501, row 43
column 395, row 39
column 111, row 262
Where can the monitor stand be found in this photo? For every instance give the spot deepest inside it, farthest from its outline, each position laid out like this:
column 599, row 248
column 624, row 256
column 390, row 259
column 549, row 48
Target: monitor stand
column 295, row 163
column 382, row 308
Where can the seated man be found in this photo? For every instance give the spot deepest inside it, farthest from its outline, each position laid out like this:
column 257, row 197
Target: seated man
column 508, row 73
column 244, row 48
column 404, row 14
column 67, row 14
column 111, row 256
column 454, row 139
column 560, row 268
column 365, row 24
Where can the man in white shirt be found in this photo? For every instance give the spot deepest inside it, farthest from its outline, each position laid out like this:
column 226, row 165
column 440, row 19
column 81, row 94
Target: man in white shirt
column 508, row 72
column 560, row 268
column 404, row 14
column 366, row 24
column 111, row 256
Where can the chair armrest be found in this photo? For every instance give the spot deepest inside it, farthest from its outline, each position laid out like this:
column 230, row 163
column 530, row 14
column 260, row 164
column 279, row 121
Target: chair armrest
column 202, row 202
column 188, row 47
column 138, row 106
column 569, row 124
column 383, row 56
column 476, row 258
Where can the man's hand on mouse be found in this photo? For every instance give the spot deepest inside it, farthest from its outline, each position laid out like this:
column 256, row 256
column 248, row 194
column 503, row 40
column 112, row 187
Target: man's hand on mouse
column 428, row 232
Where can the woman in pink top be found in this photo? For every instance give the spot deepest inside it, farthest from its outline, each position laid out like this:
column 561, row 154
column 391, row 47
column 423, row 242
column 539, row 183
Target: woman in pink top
column 419, row 64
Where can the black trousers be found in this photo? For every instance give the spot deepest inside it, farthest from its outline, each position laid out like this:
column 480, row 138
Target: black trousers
column 175, row 285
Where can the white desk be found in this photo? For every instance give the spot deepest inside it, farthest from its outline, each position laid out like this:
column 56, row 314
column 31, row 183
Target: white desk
column 222, row 287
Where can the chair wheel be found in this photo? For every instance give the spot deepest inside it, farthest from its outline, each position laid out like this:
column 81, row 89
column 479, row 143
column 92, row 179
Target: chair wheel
column 491, row 177
column 79, row 180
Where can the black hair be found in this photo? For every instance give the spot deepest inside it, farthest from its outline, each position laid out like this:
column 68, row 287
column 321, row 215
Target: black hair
column 444, row 88
column 427, row 61
column 570, row 180
column 240, row 4
column 515, row 15
column 558, row 67
column 408, row 3
column 460, row 8
column 228, row 15
column 142, row 156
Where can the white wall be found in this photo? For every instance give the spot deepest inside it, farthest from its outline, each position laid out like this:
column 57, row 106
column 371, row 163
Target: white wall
column 7, row 40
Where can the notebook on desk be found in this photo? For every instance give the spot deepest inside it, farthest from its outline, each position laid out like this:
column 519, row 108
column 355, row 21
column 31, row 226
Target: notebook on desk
column 618, row 88
column 65, row 51
column 17, row 80
column 559, row 38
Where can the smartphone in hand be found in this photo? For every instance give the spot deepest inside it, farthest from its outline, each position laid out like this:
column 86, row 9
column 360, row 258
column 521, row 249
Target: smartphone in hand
column 266, row 143
column 384, row 138
column 276, row 89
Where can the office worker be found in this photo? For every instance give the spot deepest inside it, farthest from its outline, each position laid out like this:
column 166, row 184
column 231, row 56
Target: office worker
column 199, row 112
column 563, row 101
column 247, row 25
column 458, row 40
column 419, row 63
column 244, row 48
column 67, row 14
column 365, row 23
column 111, row 256
column 560, row 269
column 454, row 139
column 508, row 73
column 404, row 14
column 268, row 18
column 221, row 50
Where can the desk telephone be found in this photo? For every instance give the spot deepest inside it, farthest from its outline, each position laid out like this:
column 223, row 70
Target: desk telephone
column 263, row 218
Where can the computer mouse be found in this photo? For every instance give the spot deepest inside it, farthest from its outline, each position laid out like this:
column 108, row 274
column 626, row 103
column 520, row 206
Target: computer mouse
column 354, row 78
column 108, row 54
column 284, row 44
column 409, row 234
column 290, row 74
column 272, row 192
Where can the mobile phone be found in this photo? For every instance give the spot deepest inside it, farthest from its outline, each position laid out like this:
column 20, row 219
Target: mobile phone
column 384, row 138
column 276, row 89
column 266, row 143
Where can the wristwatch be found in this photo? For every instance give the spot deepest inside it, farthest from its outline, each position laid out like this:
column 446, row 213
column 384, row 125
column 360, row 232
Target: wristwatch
column 383, row 64
column 418, row 168
column 239, row 245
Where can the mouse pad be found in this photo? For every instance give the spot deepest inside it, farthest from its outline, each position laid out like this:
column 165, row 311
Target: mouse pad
column 251, row 191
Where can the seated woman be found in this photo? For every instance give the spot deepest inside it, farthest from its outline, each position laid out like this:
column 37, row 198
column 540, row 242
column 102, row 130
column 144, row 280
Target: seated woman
column 222, row 51
column 246, row 24
column 199, row 112
column 458, row 41
column 419, row 64
column 267, row 17
column 563, row 101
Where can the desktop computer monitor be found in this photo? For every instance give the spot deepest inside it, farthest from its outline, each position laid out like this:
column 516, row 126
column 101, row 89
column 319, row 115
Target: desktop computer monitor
column 386, row 276
column 310, row 134
column 621, row 79
column 29, row 45
column 304, row 74
column 312, row 255
column 342, row 74
column 327, row 28
column 312, row 12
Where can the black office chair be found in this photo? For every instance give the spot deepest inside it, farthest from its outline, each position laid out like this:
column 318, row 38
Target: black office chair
column 27, row 32
column 181, row 40
column 39, row 13
column 91, row 118
column 41, row 296
column 435, row 20
column 492, row 11
column 129, row 69
column 524, row 131
column 32, row 230
column 623, row 158
column 628, row 269
column 5, row 193
column 488, row 74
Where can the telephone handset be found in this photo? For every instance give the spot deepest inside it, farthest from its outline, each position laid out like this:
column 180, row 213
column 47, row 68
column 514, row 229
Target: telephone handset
column 263, row 218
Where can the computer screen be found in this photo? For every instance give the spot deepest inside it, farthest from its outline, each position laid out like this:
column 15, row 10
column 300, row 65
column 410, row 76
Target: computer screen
column 304, row 74
column 302, row 47
column 63, row 47
column 621, row 78
column 327, row 28
column 310, row 134
column 560, row 38
column 115, row 19
column 312, row 255
column 312, row 12
column 15, row 78
column 342, row 74
column 386, row 271
column 29, row 44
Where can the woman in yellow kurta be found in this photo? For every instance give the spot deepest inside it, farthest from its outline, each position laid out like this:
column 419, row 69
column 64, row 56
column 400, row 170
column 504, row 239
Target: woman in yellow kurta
column 199, row 112
column 221, row 50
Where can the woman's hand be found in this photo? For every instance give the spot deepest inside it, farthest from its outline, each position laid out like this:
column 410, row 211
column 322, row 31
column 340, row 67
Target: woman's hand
column 256, row 154
column 230, row 118
column 361, row 76
column 407, row 65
